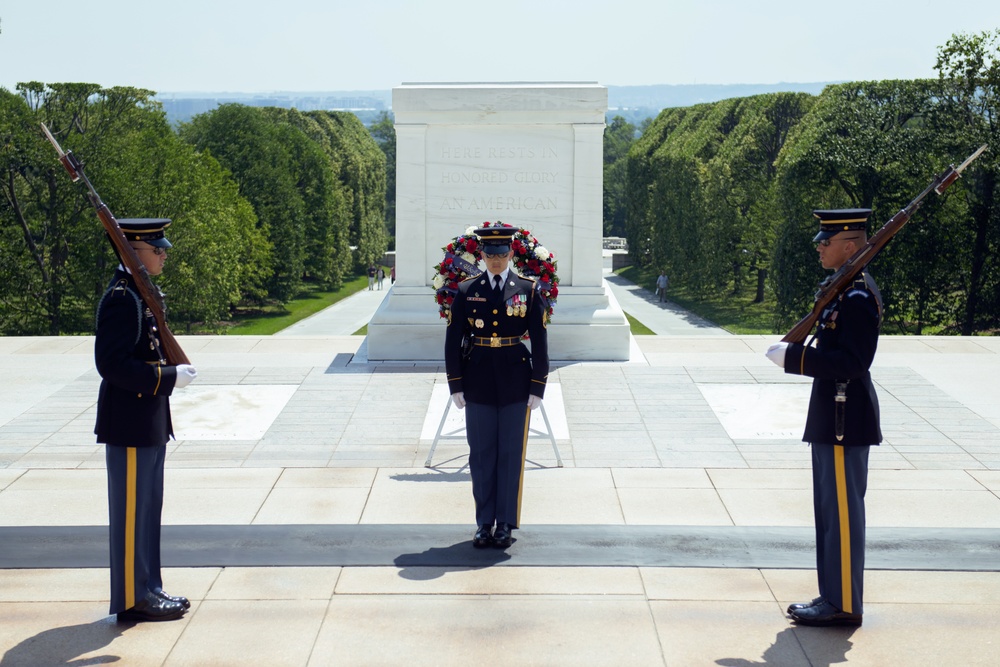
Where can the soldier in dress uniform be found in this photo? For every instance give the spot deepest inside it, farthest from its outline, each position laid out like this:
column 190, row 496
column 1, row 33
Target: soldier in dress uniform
column 492, row 374
column 842, row 424
column 133, row 421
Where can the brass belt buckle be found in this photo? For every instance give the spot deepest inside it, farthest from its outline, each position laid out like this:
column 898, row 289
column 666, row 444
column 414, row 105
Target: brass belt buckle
column 494, row 342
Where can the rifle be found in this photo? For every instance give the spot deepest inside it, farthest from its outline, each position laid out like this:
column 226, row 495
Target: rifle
column 844, row 276
column 170, row 349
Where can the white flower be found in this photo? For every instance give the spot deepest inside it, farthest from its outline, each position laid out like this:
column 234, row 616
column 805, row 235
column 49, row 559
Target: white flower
column 471, row 231
column 468, row 257
column 439, row 281
column 541, row 253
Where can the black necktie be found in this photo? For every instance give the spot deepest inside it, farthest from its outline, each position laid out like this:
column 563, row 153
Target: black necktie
column 496, row 284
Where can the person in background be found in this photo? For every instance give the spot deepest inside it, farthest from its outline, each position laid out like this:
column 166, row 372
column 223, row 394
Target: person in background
column 842, row 424
column 661, row 286
column 493, row 376
column 133, row 422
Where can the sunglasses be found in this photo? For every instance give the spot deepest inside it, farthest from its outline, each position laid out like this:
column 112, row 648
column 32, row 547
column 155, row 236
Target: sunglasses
column 156, row 250
column 490, row 255
column 826, row 242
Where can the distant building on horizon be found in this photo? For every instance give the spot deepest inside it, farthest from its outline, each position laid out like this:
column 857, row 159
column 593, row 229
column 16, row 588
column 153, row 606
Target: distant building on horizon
column 633, row 103
column 182, row 107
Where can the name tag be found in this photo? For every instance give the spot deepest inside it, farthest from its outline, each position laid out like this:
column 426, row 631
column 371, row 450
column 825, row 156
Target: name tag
column 475, row 298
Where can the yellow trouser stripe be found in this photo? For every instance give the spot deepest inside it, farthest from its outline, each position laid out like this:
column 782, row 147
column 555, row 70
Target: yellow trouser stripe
column 524, row 455
column 130, row 475
column 845, row 527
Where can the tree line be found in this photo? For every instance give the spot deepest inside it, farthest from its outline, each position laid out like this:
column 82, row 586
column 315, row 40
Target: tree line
column 720, row 195
column 262, row 200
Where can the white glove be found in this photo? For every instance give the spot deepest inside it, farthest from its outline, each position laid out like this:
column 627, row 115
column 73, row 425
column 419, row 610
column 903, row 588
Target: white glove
column 534, row 401
column 776, row 353
column 458, row 398
column 185, row 373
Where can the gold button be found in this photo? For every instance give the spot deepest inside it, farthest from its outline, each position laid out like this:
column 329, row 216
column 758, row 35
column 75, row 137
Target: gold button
column 494, row 312
column 494, row 324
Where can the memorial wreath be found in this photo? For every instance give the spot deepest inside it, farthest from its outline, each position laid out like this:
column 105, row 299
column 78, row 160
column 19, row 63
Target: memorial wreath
column 461, row 261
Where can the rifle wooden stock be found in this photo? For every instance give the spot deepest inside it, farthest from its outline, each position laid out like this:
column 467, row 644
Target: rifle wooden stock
column 836, row 283
column 170, row 349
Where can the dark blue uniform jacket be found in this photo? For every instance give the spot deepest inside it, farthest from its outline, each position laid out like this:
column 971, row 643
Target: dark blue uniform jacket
column 497, row 375
column 133, row 408
column 846, row 339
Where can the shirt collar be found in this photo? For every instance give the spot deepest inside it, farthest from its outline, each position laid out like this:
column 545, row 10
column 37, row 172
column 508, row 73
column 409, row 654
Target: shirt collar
column 503, row 276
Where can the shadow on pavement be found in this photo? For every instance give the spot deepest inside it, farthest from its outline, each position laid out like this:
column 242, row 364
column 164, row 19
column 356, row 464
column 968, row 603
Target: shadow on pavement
column 436, row 561
column 63, row 646
column 818, row 647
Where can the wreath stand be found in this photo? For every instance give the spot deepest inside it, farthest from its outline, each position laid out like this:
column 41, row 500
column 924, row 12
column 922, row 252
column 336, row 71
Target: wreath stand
column 444, row 417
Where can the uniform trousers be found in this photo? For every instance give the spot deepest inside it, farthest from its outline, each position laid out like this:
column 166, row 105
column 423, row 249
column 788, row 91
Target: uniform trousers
column 497, row 444
column 840, row 479
column 135, row 502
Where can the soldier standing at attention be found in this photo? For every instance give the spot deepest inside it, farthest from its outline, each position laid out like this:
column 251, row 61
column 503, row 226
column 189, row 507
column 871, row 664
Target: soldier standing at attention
column 842, row 424
column 133, row 421
column 492, row 375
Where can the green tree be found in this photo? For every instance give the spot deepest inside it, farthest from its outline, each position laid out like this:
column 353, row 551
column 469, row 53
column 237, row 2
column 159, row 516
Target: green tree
column 862, row 145
column 54, row 257
column 259, row 153
column 326, row 209
column 383, row 130
column 741, row 184
column 53, row 254
column 361, row 168
column 618, row 138
column 966, row 116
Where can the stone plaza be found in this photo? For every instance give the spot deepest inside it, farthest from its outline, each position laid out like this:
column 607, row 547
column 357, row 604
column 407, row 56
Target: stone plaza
column 302, row 522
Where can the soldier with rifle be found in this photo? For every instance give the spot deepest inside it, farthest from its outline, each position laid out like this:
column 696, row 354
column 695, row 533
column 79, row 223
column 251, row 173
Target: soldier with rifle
column 140, row 364
column 843, row 419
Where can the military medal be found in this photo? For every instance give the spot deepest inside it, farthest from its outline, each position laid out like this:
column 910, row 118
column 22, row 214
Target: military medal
column 480, row 324
column 510, row 310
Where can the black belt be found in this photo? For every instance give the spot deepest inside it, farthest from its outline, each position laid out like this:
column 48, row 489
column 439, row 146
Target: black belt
column 496, row 341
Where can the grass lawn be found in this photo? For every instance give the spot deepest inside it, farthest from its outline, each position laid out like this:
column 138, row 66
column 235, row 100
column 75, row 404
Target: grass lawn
column 737, row 315
column 272, row 319
column 638, row 328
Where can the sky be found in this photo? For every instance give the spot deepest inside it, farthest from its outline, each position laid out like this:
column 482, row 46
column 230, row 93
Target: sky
column 337, row 45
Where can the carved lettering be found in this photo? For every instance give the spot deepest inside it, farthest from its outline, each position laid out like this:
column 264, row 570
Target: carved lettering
column 535, row 176
column 461, row 152
column 500, row 204
column 458, row 177
column 511, row 152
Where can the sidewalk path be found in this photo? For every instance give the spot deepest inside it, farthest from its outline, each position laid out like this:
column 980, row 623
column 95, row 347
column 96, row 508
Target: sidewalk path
column 342, row 318
column 664, row 319
column 348, row 315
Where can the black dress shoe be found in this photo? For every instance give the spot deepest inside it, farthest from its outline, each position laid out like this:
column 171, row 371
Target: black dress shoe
column 184, row 602
column 502, row 538
column 152, row 608
column 483, row 537
column 804, row 605
column 824, row 613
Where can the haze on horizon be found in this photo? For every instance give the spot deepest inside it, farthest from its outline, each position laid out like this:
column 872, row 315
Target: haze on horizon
column 314, row 45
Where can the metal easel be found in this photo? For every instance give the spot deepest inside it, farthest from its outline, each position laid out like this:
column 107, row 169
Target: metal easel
column 444, row 417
